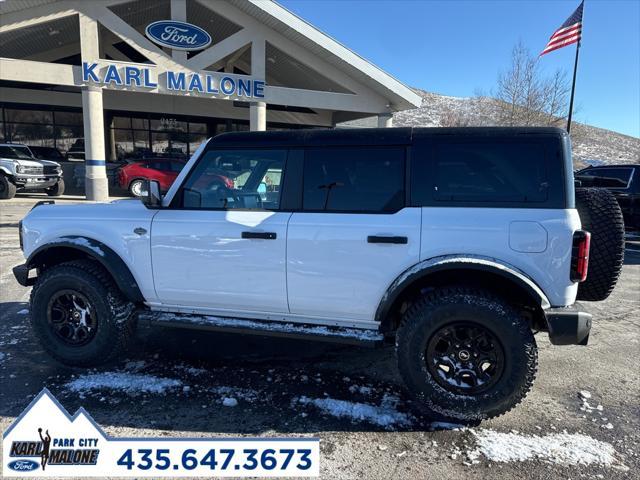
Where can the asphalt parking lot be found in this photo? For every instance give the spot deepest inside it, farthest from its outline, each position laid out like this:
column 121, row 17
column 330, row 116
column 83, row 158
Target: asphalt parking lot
column 582, row 419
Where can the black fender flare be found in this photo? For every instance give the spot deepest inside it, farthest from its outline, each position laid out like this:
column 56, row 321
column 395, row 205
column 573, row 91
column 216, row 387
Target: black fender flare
column 455, row 262
column 97, row 251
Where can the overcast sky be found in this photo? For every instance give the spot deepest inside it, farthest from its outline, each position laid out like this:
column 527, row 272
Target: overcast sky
column 457, row 46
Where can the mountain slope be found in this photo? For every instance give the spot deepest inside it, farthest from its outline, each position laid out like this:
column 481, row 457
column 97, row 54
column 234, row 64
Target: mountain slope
column 591, row 145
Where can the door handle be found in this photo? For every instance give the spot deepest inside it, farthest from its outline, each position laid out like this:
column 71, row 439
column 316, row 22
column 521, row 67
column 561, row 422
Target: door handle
column 262, row 235
column 387, row 239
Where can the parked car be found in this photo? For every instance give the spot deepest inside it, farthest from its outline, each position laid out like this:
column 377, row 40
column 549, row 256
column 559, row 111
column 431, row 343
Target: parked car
column 133, row 177
column 76, row 151
column 621, row 180
column 47, row 153
column 20, row 171
column 452, row 245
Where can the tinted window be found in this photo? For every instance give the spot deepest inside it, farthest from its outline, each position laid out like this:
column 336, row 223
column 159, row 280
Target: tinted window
column 355, row 179
column 490, row 172
column 606, row 177
column 14, row 152
column 232, row 179
column 161, row 165
column 177, row 167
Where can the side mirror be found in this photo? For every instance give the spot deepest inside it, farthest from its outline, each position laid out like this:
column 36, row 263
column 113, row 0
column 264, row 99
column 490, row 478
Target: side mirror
column 153, row 198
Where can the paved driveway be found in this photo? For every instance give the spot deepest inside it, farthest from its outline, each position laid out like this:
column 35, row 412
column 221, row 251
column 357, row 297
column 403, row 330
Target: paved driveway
column 351, row 398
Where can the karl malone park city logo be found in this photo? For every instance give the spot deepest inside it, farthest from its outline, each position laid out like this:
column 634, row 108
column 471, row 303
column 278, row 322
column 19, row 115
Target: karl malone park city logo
column 178, row 35
column 45, row 437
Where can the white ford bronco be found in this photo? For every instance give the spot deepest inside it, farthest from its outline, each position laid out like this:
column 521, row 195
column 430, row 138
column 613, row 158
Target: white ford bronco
column 21, row 170
column 454, row 245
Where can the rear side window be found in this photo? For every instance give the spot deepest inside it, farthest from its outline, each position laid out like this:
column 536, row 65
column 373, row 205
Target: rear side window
column 489, row 172
column 354, row 179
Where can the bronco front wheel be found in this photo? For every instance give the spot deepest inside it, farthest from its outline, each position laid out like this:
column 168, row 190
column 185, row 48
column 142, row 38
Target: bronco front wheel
column 79, row 315
column 465, row 354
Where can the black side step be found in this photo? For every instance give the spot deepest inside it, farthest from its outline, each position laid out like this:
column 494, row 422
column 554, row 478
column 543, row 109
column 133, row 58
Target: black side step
column 351, row 336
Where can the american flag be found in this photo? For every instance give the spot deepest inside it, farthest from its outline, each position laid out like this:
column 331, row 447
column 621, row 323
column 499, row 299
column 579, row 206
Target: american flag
column 570, row 32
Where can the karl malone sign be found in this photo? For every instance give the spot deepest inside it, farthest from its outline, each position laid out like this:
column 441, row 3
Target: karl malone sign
column 134, row 77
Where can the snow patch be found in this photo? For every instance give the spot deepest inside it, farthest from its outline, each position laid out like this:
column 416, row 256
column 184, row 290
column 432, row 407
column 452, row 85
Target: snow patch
column 384, row 415
column 130, row 383
column 363, row 390
column 84, row 243
column 560, row 448
column 229, row 402
column 246, row 394
column 360, row 334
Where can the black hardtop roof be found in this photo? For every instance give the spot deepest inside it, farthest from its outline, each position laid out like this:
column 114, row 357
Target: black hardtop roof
column 366, row 136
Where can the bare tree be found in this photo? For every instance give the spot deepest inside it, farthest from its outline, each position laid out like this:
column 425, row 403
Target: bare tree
column 525, row 97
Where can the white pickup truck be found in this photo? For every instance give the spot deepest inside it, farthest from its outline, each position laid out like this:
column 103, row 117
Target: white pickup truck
column 454, row 245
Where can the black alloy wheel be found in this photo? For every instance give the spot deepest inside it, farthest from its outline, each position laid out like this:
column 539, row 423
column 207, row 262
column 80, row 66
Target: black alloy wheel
column 72, row 318
column 465, row 358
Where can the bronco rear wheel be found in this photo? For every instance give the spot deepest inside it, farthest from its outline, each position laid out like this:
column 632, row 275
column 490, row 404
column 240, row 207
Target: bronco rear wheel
column 79, row 315
column 465, row 354
column 600, row 215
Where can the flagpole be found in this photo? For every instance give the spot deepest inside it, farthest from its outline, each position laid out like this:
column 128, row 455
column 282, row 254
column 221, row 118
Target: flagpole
column 573, row 87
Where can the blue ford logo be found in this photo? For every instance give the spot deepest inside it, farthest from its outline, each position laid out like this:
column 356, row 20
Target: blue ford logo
column 23, row 465
column 178, row 35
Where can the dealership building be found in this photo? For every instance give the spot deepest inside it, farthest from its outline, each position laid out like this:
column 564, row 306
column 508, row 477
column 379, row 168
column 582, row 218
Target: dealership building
column 110, row 81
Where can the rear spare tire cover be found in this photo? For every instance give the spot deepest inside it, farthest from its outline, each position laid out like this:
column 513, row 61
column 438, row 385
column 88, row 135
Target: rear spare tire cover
column 600, row 215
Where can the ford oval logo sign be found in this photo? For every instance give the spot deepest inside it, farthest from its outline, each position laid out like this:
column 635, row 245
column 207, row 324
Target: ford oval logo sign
column 178, row 35
column 23, row 465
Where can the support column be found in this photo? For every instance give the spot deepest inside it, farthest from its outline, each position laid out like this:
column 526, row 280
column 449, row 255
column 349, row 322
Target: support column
column 95, row 182
column 258, row 116
column 385, row 120
column 179, row 13
column 96, row 186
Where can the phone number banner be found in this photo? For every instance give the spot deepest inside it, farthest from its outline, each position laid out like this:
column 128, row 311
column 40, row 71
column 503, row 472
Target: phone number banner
column 46, row 441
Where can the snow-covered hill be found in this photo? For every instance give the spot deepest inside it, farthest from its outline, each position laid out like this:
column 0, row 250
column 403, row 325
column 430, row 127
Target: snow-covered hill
column 591, row 145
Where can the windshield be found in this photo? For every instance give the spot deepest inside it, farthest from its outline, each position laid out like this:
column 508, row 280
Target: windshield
column 46, row 153
column 15, row 152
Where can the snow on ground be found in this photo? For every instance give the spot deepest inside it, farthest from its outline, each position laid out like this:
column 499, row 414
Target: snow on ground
column 561, row 448
column 193, row 371
column 384, row 415
column 229, row 402
column 246, row 394
column 363, row 390
column 130, row 383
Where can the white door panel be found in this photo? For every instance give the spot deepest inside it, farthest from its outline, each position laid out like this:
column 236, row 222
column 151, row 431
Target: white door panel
column 200, row 259
column 332, row 270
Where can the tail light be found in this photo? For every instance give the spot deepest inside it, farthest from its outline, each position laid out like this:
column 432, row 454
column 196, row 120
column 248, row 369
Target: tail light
column 580, row 256
column 228, row 182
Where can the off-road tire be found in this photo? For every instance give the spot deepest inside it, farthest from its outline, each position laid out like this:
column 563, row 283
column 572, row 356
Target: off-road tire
column 115, row 319
column 57, row 189
column 447, row 305
column 601, row 216
column 7, row 187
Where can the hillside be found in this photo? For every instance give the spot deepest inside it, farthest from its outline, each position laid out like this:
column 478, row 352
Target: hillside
column 591, row 145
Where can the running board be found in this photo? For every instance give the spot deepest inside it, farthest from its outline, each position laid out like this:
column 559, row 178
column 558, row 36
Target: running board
column 351, row 336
